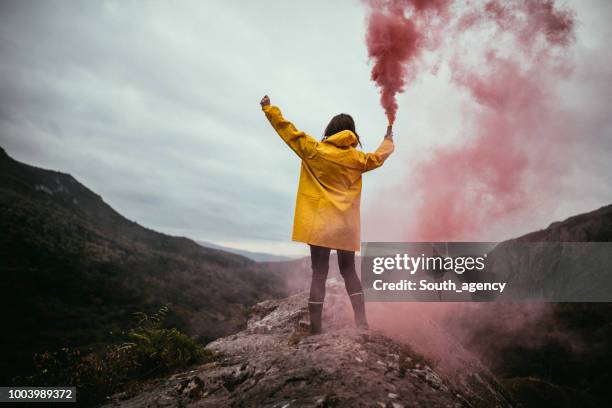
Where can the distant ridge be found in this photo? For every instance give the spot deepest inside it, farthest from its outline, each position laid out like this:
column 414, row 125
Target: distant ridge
column 255, row 256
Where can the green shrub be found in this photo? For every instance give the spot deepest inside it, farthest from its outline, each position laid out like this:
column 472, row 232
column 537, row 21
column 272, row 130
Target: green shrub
column 150, row 350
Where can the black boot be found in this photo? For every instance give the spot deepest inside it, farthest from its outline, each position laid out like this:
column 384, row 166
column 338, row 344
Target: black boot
column 315, row 310
column 358, row 303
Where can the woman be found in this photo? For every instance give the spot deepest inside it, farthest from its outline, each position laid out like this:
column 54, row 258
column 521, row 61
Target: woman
column 328, row 198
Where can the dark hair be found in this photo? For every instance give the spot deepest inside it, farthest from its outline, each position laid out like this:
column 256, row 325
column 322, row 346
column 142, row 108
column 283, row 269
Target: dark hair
column 339, row 123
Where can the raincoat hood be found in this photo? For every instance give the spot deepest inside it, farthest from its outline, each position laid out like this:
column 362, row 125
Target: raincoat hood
column 344, row 138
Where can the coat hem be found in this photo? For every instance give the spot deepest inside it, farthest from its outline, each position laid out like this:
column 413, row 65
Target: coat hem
column 310, row 242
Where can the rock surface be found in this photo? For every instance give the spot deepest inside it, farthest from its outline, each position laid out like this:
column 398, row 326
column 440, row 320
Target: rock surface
column 275, row 363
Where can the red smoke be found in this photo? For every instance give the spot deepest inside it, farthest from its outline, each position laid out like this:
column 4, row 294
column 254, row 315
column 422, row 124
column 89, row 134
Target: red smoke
column 394, row 41
column 508, row 56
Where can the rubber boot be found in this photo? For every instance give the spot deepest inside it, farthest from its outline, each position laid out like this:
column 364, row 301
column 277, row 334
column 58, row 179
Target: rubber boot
column 358, row 303
column 315, row 310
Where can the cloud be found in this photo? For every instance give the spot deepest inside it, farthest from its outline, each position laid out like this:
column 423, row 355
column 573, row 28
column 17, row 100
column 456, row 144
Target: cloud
column 154, row 105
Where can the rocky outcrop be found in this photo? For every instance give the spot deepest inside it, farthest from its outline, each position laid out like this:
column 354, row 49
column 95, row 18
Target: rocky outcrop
column 275, row 363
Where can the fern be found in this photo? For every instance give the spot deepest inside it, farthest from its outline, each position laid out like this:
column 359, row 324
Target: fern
column 151, row 350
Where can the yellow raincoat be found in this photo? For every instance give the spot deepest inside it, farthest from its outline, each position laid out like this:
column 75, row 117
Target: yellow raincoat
column 329, row 193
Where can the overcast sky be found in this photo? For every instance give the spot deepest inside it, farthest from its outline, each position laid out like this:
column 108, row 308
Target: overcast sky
column 154, row 106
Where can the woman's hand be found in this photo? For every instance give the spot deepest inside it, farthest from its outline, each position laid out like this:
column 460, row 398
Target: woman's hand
column 389, row 134
column 265, row 101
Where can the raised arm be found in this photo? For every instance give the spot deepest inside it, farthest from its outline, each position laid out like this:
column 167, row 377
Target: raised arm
column 376, row 159
column 302, row 144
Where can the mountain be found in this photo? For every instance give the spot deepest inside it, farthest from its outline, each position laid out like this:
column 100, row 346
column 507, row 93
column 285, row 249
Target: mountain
column 568, row 261
column 74, row 271
column 550, row 354
column 594, row 226
column 471, row 355
column 272, row 363
column 255, row 256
